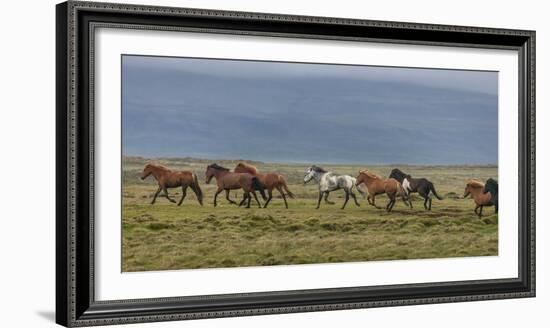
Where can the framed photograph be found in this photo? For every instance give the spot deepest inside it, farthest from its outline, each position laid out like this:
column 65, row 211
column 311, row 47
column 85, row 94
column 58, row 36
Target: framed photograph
column 214, row 163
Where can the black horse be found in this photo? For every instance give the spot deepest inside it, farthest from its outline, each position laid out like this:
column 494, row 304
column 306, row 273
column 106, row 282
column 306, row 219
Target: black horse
column 422, row 186
column 492, row 186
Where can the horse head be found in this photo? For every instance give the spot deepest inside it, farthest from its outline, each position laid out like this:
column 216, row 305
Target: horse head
column 312, row 172
column 471, row 186
column 398, row 175
column 211, row 171
column 147, row 170
column 363, row 176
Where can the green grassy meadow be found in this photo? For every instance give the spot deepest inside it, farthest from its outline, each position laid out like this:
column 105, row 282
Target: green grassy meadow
column 165, row 236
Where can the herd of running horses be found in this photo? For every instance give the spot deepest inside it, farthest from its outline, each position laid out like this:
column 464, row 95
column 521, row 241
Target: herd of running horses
column 246, row 177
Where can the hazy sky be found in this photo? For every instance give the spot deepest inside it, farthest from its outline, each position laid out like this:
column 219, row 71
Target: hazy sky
column 313, row 113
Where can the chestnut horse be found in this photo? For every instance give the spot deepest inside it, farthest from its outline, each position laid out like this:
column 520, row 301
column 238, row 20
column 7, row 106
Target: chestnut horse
column 227, row 180
column 167, row 178
column 475, row 188
column 376, row 186
column 269, row 180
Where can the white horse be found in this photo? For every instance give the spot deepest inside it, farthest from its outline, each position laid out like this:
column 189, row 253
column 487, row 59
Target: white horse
column 329, row 181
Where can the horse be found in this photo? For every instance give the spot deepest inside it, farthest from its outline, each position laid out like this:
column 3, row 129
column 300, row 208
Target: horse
column 475, row 188
column 329, row 181
column 167, row 178
column 376, row 186
column 422, row 186
column 269, row 180
column 227, row 180
column 491, row 185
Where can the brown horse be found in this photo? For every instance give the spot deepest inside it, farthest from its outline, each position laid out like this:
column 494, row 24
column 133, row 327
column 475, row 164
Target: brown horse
column 376, row 186
column 269, row 180
column 475, row 188
column 167, row 178
column 227, row 180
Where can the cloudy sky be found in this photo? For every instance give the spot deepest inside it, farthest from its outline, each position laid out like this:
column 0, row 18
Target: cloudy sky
column 311, row 113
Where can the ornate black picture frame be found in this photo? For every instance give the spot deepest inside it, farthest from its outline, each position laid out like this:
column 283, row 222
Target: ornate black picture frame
column 75, row 301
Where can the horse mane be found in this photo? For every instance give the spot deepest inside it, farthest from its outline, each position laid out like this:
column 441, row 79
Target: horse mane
column 217, row 167
column 398, row 175
column 491, row 182
column 491, row 185
column 158, row 166
column 475, row 183
column 369, row 173
column 398, row 171
column 318, row 169
column 250, row 168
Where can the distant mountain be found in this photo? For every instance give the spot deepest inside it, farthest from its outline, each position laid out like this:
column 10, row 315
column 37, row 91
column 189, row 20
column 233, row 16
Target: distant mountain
column 174, row 113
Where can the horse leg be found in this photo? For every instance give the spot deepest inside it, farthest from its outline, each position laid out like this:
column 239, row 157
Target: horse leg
column 389, row 205
column 480, row 210
column 405, row 198
column 249, row 199
column 155, row 196
column 183, row 194
column 243, row 200
column 269, row 196
column 393, row 201
column 320, row 197
column 354, row 198
column 347, row 198
column 475, row 209
column 256, row 198
column 229, row 199
column 216, row 196
column 430, row 203
column 374, row 201
column 326, row 199
column 167, row 196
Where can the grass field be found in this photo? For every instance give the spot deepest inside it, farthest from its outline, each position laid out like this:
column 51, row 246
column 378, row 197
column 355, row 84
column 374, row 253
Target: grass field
column 164, row 236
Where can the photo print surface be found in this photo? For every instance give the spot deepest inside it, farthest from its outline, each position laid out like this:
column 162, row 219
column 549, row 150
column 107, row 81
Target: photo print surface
column 235, row 163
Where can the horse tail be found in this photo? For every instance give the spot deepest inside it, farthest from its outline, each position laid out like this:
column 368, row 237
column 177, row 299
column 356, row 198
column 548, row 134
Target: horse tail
column 258, row 185
column 282, row 181
column 432, row 189
column 197, row 188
